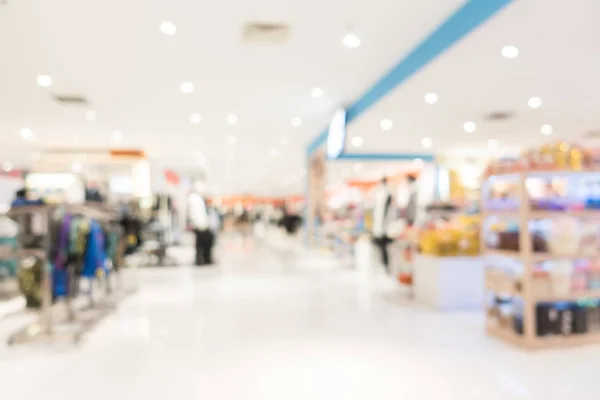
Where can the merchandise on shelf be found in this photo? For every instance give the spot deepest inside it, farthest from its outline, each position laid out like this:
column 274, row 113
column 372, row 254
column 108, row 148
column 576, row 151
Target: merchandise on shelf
column 458, row 237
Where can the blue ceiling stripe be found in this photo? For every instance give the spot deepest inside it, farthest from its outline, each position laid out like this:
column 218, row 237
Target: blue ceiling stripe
column 384, row 157
column 463, row 21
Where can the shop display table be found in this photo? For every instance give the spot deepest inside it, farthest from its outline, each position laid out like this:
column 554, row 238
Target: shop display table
column 449, row 283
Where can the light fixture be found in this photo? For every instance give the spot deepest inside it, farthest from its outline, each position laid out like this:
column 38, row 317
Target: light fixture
column 274, row 152
column 510, row 52
column 90, row 115
column 168, row 28
column 492, row 144
column 470, row 126
column 547, row 129
column 195, row 118
column 431, row 98
column 427, row 143
column 358, row 167
column 231, row 139
column 534, row 102
column 6, row 166
column 351, row 40
column 386, row 124
column 44, row 80
column 296, row 122
column 357, row 141
column 117, row 136
column 232, row 119
column 317, row 93
column 187, row 87
column 27, row 134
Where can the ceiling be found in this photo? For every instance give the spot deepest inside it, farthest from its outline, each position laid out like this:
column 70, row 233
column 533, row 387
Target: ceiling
column 114, row 54
column 558, row 61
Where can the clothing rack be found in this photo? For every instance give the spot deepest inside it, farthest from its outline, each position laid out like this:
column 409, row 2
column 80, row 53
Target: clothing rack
column 74, row 324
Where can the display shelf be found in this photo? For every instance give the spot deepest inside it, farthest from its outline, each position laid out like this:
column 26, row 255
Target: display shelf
column 527, row 305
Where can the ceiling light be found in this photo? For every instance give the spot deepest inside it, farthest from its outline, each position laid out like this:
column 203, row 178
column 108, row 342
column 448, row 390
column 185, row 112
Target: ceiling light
column 187, row 87
column 27, row 134
column 351, row 40
column 358, row 167
column 90, row 115
column 274, row 152
column 232, row 119
column 386, row 124
column 534, row 102
column 6, row 166
column 357, row 141
column 492, row 144
column 547, row 129
column 168, row 28
column 296, row 122
column 195, row 118
column 317, row 93
column 117, row 136
column 470, row 126
column 44, row 80
column 510, row 51
column 431, row 98
column 427, row 143
column 231, row 139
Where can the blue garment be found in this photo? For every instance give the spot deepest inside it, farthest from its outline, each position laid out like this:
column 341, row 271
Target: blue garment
column 19, row 202
column 95, row 255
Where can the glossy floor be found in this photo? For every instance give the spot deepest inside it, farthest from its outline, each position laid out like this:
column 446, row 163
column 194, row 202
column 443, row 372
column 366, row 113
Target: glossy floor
column 279, row 324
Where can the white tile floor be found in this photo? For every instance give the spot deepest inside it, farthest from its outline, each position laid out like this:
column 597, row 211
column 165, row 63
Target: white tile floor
column 271, row 324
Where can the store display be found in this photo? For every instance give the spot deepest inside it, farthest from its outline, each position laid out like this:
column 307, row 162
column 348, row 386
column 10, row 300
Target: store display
column 542, row 246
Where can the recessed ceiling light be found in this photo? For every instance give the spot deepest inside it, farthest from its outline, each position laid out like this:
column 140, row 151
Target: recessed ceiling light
column 44, row 80
column 317, row 93
column 187, row 87
column 357, row 141
column 168, row 28
column 296, row 122
column 534, row 102
column 358, row 167
column 492, row 144
column 27, row 134
column 510, row 51
column 427, row 143
column 232, row 119
column 195, row 118
column 90, row 115
column 231, row 139
column 117, row 136
column 547, row 129
column 431, row 98
column 386, row 124
column 351, row 40
column 274, row 151
column 6, row 166
column 470, row 126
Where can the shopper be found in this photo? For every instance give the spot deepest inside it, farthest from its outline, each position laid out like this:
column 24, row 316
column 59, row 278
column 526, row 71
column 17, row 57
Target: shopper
column 381, row 214
column 201, row 225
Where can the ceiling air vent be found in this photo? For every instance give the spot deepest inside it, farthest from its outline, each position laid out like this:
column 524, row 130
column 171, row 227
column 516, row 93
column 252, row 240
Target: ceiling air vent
column 266, row 32
column 498, row 116
column 71, row 100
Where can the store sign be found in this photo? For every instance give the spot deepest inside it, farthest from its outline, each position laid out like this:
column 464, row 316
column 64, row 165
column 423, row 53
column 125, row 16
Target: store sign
column 336, row 137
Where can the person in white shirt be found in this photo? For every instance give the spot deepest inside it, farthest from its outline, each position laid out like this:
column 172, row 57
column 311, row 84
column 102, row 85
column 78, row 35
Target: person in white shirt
column 201, row 224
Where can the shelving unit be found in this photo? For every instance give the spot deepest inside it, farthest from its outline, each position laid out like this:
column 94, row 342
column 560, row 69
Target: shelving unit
column 506, row 286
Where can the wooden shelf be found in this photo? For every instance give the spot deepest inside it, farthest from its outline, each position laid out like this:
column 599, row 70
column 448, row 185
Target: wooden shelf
column 566, row 341
column 502, row 252
column 588, row 294
column 536, row 257
column 543, row 214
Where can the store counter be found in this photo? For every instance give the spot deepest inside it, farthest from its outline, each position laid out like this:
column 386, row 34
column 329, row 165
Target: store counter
column 449, row 283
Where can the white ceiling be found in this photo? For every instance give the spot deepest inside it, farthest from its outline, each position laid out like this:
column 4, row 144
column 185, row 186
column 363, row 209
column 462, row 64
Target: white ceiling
column 113, row 53
column 559, row 61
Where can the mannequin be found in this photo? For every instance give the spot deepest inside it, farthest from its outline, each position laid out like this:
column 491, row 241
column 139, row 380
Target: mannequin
column 381, row 213
column 200, row 223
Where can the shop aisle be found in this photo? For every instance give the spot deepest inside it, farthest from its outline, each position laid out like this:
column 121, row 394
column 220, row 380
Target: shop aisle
column 270, row 323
